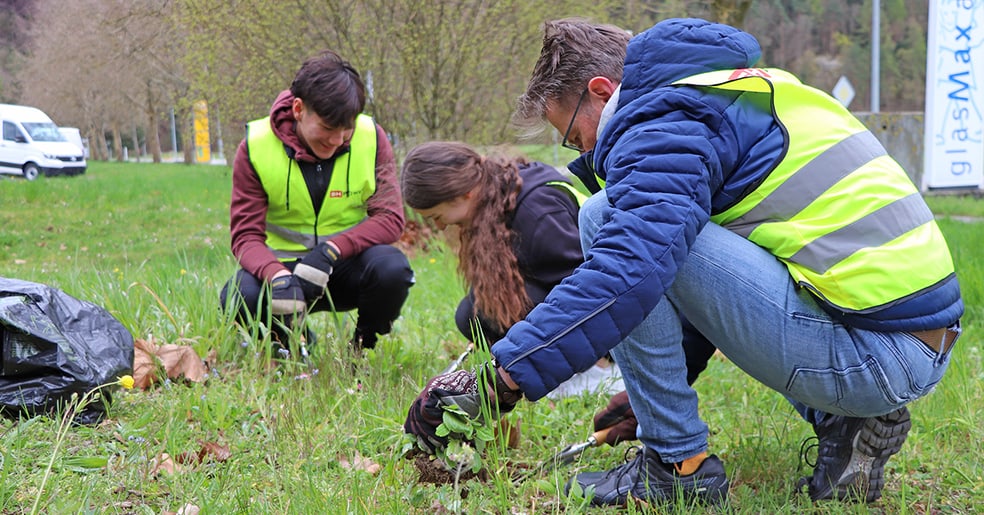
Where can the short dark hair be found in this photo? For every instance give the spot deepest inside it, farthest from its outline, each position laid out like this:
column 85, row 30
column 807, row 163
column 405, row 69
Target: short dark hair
column 332, row 88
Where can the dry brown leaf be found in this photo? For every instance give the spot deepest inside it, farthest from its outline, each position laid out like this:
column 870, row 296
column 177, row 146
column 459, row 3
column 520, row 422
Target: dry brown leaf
column 210, row 451
column 360, row 463
column 175, row 361
column 182, row 361
column 187, row 458
column 163, row 464
column 214, row 452
column 144, row 363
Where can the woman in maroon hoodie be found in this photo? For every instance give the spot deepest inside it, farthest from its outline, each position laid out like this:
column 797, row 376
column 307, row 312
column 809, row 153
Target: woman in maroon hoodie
column 315, row 208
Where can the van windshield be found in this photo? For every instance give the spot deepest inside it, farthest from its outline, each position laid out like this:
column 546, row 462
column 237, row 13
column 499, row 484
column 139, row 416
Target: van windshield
column 45, row 131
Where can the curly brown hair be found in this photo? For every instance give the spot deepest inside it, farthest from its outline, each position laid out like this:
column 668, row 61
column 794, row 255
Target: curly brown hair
column 440, row 171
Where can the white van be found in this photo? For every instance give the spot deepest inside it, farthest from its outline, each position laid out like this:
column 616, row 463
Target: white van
column 73, row 135
column 31, row 145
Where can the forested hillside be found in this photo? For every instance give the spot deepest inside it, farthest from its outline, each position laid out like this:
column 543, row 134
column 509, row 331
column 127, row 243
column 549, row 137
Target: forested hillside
column 438, row 68
column 820, row 41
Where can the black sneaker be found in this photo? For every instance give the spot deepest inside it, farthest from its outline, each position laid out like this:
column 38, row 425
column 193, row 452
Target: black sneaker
column 851, row 455
column 363, row 339
column 648, row 479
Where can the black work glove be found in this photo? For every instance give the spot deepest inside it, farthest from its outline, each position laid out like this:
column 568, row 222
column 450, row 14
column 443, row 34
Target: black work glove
column 618, row 418
column 287, row 297
column 459, row 388
column 314, row 269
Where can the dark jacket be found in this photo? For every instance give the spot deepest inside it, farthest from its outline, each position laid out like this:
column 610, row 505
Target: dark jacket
column 671, row 156
column 544, row 226
column 545, row 241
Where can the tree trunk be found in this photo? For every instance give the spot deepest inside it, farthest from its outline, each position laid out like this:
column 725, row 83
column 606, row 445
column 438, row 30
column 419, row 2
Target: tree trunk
column 136, row 143
column 117, row 142
column 95, row 149
column 103, row 144
column 154, row 136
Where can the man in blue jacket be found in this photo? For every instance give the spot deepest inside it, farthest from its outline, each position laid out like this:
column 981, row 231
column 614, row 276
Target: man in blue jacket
column 758, row 210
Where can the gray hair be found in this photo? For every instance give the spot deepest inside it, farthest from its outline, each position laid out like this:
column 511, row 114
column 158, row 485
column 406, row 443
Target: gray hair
column 574, row 51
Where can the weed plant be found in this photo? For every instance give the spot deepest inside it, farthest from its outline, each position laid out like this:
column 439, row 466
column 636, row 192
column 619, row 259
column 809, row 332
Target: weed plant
column 150, row 243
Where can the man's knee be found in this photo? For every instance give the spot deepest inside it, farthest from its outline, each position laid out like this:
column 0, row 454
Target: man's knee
column 240, row 295
column 389, row 267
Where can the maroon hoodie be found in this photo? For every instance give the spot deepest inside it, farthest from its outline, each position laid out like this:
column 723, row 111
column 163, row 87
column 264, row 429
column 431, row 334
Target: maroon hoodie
column 248, row 207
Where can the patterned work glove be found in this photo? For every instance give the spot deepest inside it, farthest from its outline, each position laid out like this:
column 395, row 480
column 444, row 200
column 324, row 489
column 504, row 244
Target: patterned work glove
column 618, row 416
column 455, row 388
column 287, row 298
column 314, row 269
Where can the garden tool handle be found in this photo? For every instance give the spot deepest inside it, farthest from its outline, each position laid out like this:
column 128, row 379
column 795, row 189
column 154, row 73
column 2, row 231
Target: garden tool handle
column 598, row 437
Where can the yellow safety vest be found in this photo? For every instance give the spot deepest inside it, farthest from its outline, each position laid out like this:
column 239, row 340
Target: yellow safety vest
column 575, row 194
column 292, row 227
column 840, row 213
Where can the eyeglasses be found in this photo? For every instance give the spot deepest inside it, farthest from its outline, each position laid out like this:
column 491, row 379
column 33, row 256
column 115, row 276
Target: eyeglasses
column 568, row 144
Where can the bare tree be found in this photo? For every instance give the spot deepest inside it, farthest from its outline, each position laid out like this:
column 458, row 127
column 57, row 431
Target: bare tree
column 15, row 16
column 436, row 68
column 120, row 69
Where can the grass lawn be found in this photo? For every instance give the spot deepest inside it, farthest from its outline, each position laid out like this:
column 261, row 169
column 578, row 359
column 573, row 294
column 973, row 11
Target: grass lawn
column 150, row 243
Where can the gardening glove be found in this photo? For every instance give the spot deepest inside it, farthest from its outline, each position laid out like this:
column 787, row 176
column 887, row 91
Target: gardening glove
column 314, row 269
column 287, row 297
column 618, row 418
column 455, row 388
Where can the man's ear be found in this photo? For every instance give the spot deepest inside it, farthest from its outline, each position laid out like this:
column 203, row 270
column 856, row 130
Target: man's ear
column 602, row 87
column 297, row 107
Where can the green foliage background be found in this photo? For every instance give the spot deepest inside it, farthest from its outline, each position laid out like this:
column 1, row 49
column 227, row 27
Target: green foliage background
column 439, row 69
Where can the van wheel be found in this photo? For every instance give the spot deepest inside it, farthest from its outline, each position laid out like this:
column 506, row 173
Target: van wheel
column 31, row 171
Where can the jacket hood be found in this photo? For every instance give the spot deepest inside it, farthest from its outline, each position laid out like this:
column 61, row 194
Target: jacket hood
column 534, row 175
column 681, row 47
column 283, row 124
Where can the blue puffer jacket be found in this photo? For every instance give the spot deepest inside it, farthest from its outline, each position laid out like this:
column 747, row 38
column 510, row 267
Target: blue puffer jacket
column 670, row 157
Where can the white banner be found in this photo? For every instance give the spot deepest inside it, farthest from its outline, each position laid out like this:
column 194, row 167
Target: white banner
column 954, row 145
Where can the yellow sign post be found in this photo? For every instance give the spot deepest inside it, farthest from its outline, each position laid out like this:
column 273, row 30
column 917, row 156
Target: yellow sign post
column 203, row 152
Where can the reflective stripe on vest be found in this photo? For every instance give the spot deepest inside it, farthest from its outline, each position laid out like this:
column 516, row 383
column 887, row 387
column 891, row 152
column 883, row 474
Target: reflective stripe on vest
column 292, row 227
column 575, row 194
column 840, row 213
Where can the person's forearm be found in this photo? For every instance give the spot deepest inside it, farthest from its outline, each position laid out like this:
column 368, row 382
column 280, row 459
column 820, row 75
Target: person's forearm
column 508, row 380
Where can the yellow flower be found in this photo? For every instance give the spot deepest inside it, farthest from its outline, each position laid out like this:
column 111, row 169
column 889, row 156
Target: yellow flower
column 127, row 382
column 183, row 271
column 432, row 260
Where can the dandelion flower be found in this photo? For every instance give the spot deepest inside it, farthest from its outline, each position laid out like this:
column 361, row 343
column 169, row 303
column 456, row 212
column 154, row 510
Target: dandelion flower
column 127, row 382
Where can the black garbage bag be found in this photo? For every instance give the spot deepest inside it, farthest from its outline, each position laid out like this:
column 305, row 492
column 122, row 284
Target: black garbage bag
column 54, row 345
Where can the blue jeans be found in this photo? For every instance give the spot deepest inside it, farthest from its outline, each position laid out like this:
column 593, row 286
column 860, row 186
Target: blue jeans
column 744, row 301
